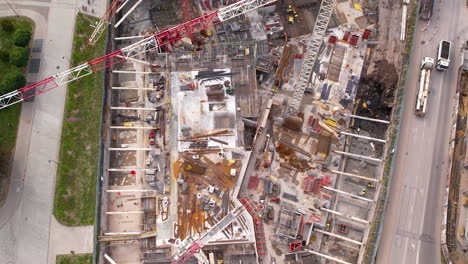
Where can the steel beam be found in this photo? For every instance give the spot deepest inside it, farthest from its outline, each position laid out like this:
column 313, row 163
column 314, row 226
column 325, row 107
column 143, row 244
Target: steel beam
column 338, row 236
column 122, row 6
column 370, row 119
column 348, row 194
column 125, row 190
column 139, row 61
column 130, row 169
column 111, row 261
column 129, row 149
column 128, row 13
column 358, row 156
column 132, row 88
column 363, row 137
column 133, row 72
column 355, row 175
column 129, row 37
column 132, row 108
column 127, row 212
column 346, row 216
column 327, row 257
column 133, row 127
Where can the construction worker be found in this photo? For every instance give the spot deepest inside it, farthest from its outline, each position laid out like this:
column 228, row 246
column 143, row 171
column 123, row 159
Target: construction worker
column 370, row 185
column 363, row 192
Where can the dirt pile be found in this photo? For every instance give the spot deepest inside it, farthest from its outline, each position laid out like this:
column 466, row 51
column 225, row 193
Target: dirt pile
column 377, row 90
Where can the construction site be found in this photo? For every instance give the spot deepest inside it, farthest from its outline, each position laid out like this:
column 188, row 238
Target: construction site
column 236, row 137
column 247, row 131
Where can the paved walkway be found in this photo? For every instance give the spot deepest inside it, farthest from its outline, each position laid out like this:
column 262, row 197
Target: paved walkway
column 64, row 239
column 26, row 222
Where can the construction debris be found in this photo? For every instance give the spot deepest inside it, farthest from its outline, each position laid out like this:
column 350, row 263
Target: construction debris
column 207, row 159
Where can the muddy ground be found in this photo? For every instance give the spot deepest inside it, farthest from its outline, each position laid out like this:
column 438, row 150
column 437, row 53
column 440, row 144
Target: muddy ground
column 377, row 92
column 168, row 12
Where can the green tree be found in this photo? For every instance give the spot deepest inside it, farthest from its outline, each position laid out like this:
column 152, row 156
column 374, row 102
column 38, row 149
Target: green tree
column 4, row 56
column 12, row 81
column 21, row 37
column 7, row 25
column 19, row 56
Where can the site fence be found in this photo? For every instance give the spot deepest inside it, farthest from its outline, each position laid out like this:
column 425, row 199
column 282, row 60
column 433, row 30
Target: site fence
column 105, row 84
column 392, row 148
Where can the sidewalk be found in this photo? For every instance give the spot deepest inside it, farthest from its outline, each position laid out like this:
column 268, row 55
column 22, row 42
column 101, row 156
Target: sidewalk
column 26, row 222
column 63, row 239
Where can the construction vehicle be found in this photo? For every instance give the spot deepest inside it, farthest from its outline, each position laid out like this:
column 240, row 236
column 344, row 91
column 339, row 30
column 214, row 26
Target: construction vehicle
column 342, row 228
column 443, row 55
column 427, row 64
column 425, row 11
column 275, row 200
column 270, row 213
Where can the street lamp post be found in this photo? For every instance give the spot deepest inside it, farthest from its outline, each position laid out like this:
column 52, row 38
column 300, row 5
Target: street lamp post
column 14, row 11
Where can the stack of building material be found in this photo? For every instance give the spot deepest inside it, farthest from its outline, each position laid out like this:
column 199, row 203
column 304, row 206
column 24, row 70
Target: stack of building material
column 258, row 228
column 308, row 184
column 253, row 183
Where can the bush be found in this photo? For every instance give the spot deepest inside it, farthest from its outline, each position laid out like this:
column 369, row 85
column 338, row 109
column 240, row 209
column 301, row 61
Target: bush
column 4, row 56
column 19, row 56
column 7, row 25
column 12, row 81
column 21, row 37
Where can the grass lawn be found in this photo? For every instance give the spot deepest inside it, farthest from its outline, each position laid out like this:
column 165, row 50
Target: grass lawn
column 9, row 117
column 6, row 42
column 75, row 189
column 74, row 259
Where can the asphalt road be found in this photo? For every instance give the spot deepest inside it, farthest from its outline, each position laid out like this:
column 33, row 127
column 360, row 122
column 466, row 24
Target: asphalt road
column 412, row 224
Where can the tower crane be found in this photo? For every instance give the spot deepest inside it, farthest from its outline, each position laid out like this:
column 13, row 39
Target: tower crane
column 194, row 247
column 162, row 38
column 101, row 26
column 313, row 45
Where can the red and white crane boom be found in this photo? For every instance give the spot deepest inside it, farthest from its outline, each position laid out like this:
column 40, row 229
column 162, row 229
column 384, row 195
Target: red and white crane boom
column 105, row 20
column 159, row 39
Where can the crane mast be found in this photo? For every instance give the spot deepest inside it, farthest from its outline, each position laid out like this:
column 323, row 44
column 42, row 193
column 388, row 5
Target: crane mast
column 313, row 45
column 159, row 39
